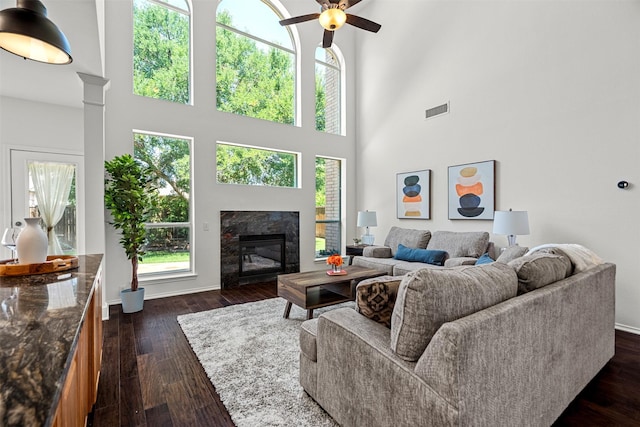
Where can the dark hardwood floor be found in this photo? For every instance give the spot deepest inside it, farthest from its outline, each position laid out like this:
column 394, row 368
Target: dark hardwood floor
column 150, row 376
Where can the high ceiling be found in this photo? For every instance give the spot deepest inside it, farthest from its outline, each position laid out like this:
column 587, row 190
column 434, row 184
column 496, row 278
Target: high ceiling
column 58, row 84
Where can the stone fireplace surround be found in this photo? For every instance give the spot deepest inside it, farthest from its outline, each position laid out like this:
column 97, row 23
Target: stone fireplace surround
column 234, row 224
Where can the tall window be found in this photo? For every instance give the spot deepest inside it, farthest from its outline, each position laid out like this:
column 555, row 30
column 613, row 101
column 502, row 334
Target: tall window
column 169, row 232
column 237, row 164
column 161, row 42
column 328, row 206
column 328, row 91
column 255, row 62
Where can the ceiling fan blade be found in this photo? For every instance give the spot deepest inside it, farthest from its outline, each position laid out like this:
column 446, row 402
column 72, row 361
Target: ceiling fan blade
column 346, row 4
column 363, row 23
column 324, row 3
column 327, row 39
column 298, row 19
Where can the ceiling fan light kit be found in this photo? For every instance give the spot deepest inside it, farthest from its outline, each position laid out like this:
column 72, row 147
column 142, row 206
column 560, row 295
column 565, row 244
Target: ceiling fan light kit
column 333, row 17
column 26, row 31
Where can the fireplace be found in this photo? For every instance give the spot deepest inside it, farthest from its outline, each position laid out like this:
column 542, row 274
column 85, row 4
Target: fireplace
column 261, row 254
column 256, row 246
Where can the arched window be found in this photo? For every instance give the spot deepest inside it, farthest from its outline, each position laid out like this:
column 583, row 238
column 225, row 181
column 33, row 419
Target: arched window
column 329, row 90
column 161, row 49
column 255, row 62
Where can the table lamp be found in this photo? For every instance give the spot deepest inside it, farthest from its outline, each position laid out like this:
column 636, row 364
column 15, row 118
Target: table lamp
column 367, row 219
column 511, row 223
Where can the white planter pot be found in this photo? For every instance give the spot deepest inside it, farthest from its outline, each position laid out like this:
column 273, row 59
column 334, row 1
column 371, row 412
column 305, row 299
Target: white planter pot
column 132, row 301
column 32, row 243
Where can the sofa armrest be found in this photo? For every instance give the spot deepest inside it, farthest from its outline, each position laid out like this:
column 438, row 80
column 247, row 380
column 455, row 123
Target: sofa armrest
column 376, row 251
column 357, row 369
column 458, row 261
column 542, row 348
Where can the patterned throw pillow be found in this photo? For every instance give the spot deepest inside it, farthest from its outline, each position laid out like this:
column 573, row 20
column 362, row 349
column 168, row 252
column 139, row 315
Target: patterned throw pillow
column 375, row 298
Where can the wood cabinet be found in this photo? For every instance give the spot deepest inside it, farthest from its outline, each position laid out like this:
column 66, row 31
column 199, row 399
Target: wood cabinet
column 80, row 387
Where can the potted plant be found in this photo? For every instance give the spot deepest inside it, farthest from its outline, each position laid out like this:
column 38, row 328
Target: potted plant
column 130, row 194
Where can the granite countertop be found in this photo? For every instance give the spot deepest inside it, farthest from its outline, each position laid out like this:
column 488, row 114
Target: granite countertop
column 40, row 318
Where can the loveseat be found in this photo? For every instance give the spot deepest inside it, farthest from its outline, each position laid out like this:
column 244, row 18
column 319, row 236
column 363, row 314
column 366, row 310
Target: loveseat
column 489, row 345
column 459, row 248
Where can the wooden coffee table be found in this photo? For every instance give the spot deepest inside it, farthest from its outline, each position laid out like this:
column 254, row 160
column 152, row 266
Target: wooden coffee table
column 315, row 289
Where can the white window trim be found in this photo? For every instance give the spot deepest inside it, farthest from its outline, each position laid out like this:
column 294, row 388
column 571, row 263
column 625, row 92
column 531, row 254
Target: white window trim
column 258, row 147
column 163, row 276
column 281, row 12
column 343, row 85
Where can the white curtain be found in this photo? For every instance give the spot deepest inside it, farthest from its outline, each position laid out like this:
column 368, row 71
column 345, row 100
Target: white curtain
column 52, row 182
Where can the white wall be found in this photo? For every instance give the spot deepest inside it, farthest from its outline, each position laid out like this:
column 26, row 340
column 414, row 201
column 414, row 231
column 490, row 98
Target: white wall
column 550, row 90
column 126, row 112
column 34, row 125
column 37, row 124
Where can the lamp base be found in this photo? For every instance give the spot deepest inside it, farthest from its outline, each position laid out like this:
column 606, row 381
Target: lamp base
column 368, row 239
column 511, row 239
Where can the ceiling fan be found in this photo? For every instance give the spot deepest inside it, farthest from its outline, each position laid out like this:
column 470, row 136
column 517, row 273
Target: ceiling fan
column 333, row 17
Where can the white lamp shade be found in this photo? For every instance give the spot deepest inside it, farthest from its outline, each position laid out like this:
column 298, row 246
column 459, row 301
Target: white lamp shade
column 367, row 219
column 511, row 223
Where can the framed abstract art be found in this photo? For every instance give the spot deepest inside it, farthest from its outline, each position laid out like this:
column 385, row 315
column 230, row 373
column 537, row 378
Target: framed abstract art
column 472, row 190
column 413, row 194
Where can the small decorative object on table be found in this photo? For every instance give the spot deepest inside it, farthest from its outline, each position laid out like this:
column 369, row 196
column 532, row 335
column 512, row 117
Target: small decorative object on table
column 32, row 243
column 335, row 261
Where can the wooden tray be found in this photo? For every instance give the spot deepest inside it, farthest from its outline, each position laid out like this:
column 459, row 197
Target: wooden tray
column 53, row 264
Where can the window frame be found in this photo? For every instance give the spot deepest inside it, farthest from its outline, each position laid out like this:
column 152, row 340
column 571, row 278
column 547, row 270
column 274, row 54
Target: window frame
column 341, row 201
column 297, row 163
column 337, row 54
column 281, row 13
column 190, row 81
column 172, row 274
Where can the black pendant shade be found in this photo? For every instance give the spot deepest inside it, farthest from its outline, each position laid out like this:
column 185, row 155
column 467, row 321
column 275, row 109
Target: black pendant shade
column 26, row 31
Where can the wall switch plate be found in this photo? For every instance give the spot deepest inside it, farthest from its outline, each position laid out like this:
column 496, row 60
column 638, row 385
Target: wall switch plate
column 205, row 226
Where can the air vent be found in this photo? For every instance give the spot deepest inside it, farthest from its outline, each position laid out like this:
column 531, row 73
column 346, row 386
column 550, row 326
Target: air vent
column 436, row 111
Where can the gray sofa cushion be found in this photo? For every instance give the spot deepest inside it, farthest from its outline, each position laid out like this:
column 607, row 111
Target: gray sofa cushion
column 404, row 267
column 462, row 260
column 512, row 252
column 539, row 269
column 559, row 252
column 429, row 297
column 377, row 251
column 382, row 264
column 408, row 237
column 460, row 244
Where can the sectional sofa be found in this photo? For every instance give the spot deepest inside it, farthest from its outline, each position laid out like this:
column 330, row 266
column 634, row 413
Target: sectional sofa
column 490, row 345
column 461, row 248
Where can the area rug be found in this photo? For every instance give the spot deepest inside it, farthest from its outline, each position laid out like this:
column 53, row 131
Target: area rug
column 251, row 355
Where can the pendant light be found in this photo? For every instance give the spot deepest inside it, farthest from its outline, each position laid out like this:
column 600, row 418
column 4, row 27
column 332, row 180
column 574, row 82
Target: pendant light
column 26, row 31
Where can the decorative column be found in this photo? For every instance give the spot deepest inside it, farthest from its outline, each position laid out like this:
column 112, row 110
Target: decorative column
column 94, row 141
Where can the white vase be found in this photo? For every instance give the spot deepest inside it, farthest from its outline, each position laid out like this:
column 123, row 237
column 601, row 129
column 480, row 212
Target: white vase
column 32, row 243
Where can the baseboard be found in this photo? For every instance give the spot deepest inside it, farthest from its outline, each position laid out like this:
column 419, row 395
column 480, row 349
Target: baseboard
column 626, row 328
column 166, row 295
column 105, row 311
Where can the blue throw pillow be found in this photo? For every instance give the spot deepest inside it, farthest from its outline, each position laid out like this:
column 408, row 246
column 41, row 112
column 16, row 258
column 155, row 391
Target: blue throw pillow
column 428, row 256
column 484, row 259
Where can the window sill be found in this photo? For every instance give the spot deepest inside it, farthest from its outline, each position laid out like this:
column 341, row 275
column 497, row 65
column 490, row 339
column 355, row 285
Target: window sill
column 155, row 279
